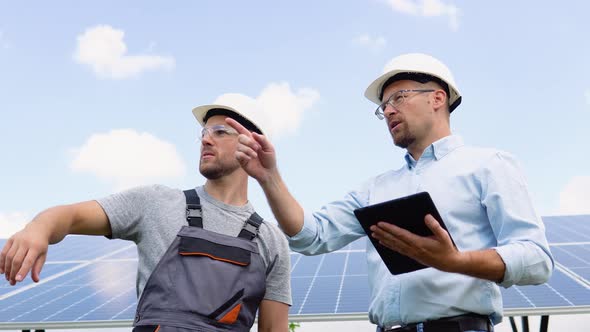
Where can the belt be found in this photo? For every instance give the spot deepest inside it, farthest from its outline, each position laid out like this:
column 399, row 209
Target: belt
column 466, row 322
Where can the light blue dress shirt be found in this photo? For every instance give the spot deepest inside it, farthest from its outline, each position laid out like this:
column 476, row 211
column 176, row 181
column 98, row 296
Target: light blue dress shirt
column 482, row 196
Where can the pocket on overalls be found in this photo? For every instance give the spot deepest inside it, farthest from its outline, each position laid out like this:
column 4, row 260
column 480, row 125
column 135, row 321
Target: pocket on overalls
column 201, row 247
column 228, row 312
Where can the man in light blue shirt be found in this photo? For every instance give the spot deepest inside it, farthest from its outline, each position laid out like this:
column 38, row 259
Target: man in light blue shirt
column 481, row 195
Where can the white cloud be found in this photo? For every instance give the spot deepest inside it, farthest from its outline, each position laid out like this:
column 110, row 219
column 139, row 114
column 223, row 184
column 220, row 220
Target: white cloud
column 128, row 158
column 277, row 109
column 372, row 43
column 587, row 95
column 11, row 223
column 103, row 49
column 427, row 8
column 575, row 196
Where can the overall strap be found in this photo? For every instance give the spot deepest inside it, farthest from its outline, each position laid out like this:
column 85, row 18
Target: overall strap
column 250, row 229
column 194, row 214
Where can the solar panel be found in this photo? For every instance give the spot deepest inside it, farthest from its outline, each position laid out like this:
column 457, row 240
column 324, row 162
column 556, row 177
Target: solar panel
column 86, row 281
column 90, row 282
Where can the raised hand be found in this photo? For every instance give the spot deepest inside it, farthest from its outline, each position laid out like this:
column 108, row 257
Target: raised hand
column 257, row 157
column 255, row 153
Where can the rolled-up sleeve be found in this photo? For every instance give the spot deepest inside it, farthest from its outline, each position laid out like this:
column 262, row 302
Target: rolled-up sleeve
column 520, row 233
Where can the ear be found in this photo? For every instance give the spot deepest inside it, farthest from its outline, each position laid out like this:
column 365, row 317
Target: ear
column 439, row 99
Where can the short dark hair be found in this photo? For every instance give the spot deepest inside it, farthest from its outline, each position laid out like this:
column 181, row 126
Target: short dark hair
column 416, row 77
column 231, row 114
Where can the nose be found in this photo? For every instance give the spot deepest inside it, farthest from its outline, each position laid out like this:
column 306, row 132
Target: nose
column 206, row 139
column 389, row 111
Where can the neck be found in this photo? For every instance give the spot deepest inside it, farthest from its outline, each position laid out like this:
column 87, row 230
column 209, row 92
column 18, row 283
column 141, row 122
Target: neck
column 230, row 189
column 416, row 149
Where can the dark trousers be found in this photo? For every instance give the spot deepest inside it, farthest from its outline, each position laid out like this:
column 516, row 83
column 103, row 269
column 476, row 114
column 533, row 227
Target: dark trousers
column 469, row 322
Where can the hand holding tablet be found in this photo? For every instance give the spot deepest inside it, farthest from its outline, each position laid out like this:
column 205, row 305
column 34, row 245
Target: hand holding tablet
column 406, row 212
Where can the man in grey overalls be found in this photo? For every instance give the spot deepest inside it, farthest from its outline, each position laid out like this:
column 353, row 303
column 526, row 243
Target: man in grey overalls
column 207, row 261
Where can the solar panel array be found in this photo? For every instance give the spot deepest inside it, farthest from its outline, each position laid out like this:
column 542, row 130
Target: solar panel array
column 90, row 282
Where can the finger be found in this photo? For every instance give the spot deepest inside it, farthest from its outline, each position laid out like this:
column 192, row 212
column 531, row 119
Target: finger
column 28, row 261
column 392, row 245
column 3, row 254
column 248, row 141
column 263, row 141
column 8, row 262
column 435, row 227
column 387, row 240
column 400, row 233
column 242, row 158
column 37, row 267
column 405, row 238
column 382, row 234
column 248, row 150
column 17, row 262
column 237, row 126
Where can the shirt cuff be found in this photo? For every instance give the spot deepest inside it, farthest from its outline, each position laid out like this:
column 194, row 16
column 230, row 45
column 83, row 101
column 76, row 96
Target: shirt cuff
column 306, row 234
column 512, row 262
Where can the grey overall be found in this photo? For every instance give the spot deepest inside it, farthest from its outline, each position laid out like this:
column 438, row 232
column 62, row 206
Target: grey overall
column 205, row 281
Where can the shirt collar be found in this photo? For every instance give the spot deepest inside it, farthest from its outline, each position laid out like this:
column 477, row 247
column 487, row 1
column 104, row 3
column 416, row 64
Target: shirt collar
column 437, row 150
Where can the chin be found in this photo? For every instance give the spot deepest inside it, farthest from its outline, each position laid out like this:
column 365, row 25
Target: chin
column 210, row 173
column 402, row 142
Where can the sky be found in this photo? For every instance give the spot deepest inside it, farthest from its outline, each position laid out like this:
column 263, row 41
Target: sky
column 96, row 97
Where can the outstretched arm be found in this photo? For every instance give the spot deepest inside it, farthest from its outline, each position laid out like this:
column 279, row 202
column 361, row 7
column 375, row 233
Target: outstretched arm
column 27, row 250
column 257, row 157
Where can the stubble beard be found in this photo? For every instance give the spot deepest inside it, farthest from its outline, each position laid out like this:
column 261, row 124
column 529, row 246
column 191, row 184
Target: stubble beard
column 217, row 170
column 403, row 139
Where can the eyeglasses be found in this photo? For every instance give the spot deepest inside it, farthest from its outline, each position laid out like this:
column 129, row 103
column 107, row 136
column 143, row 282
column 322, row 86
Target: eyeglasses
column 217, row 132
column 396, row 99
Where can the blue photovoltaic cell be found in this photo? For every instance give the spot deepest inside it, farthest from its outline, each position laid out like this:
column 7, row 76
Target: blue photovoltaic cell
column 567, row 229
column 84, row 248
column 357, row 264
column 333, row 265
column 583, row 273
column 79, row 248
column 567, row 257
column 299, row 287
column 98, row 291
column 330, row 290
column 570, row 292
column 355, row 295
column 360, row 244
column 306, row 266
column 321, row 297
column 47, row 271
column 129, row 253
column 92, row 279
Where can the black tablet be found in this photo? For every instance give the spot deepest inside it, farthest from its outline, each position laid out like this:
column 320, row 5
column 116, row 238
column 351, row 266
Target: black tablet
column 406, row 212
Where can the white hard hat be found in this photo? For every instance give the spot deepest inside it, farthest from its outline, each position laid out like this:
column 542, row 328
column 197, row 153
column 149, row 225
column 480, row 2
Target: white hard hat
column 415, row 63
column 204, row 112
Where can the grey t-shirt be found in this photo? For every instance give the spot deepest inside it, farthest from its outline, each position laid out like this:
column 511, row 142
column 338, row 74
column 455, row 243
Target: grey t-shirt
column 151, row 216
